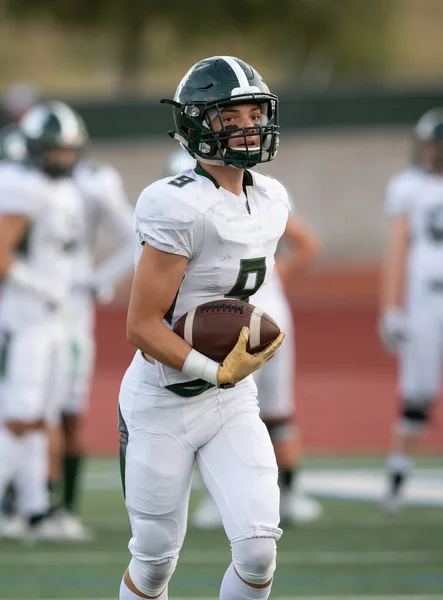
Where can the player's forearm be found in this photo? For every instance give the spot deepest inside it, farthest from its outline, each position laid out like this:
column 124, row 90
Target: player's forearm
column 393, row 273
column 159, row 342
column 163, row 345
column 113, row 268
column 393, row 284
column 299, row 264
column 32, row 282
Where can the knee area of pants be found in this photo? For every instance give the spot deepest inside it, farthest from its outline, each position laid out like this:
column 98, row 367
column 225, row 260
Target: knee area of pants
column 151, row 579
column 281, row 430
column 413, row 417
column 254, row 559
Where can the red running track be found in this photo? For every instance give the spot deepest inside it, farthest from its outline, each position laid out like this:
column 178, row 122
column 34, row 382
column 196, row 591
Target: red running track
column 345, row 390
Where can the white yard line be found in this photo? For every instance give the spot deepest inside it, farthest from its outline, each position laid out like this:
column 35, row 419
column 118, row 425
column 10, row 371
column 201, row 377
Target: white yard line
column 215, row 557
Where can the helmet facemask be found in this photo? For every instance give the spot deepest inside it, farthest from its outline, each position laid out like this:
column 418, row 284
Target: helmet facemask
column 195, row 130
column 40, row 155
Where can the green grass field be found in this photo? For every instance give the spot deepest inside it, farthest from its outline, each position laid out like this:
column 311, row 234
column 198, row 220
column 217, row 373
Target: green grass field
column 355, row 552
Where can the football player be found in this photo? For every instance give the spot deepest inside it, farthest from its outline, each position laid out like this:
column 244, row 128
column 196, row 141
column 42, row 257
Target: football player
column 41, row 224
column 208, row 233
column 104, row 205
column 411, row 323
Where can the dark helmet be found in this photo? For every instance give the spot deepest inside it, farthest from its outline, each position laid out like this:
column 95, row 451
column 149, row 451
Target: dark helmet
column 53, row 125
column 211, row 85
column 12, row 144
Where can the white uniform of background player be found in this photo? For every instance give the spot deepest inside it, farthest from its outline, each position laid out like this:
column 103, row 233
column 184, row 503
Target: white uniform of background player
column 33, row 299
column 105, row 206
column 419, row 196
column 275, row 380
column 106, row 210
column 412, row 323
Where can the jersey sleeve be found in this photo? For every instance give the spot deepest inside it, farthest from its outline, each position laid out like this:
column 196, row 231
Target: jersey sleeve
column 168, row 223
column 399, row 196
column 115, row 210
column 17, row 196
column 116, row 213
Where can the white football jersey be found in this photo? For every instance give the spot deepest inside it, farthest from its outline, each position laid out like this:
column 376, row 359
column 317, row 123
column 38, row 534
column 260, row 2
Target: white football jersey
column 419, row 195
column 104, row 204
column 230, row 240
column 53, row 207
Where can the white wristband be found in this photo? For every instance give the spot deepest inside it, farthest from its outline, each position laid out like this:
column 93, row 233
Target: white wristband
column 200, row 366
column 33, row 282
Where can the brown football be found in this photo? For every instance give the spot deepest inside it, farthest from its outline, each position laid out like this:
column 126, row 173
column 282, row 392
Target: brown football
column 213, row 328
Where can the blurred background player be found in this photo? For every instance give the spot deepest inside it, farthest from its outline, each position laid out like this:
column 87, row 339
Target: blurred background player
column 411, row 322
column 275, row 381
column 104, row 205
column 41, row 225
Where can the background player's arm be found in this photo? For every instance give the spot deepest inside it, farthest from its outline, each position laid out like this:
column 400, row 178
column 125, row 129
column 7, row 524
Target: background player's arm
column 12, row 231
column 117, row 215
column 13, row 228
column 392, row 324
column 154, row 288
column 394, row 267
column 303, row 248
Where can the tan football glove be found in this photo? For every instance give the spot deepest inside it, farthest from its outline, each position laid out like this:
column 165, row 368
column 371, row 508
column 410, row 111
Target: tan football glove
column 239, row 363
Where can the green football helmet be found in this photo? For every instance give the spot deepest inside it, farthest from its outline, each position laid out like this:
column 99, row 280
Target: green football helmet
column 207, row 88
column 430, row 126
column 49, row 126
column 428, row 140
column 12, row 144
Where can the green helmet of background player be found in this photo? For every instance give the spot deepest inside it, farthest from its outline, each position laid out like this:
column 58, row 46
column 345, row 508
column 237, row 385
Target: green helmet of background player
column 55, row 136
column 428, row 134
column 207, row 88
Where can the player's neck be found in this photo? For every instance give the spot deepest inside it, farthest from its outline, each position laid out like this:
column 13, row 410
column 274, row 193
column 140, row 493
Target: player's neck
column 229, row 178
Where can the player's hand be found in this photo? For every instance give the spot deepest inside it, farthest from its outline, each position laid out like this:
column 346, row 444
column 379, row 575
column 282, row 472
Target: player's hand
column 392, row 328
column 239, row 363
column 103, row 294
